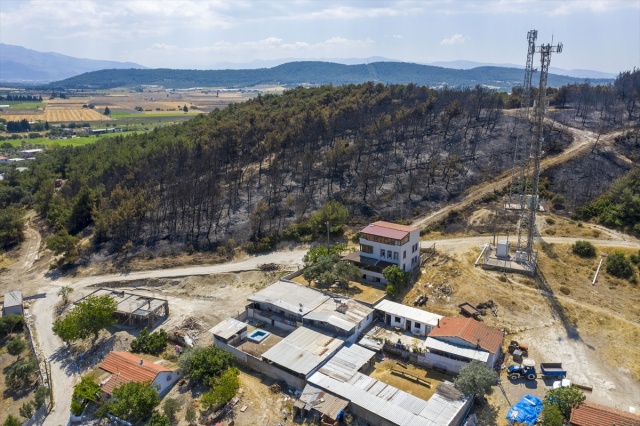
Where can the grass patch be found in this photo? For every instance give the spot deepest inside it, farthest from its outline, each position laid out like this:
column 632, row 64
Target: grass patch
column 50, row 142
column 21, row 105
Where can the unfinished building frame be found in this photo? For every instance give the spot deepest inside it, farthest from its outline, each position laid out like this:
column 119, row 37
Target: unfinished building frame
column 135, row 310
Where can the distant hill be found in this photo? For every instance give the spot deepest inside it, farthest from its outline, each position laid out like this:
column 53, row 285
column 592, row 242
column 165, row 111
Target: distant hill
column 19, row 64
column 577, row 73
column 296, row 73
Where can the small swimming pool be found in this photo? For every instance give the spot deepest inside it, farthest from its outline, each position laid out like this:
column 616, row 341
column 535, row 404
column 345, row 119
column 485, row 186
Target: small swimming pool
column 258, row 335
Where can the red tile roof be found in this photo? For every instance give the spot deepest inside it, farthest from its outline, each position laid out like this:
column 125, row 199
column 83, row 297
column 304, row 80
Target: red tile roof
column 388, row 230
column 590, row 414
column 470, row 330
column 125, row 367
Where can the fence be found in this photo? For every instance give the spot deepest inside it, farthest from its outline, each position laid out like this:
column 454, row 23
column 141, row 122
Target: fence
column 45, row 375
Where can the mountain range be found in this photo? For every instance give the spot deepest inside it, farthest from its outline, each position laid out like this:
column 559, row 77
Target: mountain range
column 19, row 64
column 293, row 74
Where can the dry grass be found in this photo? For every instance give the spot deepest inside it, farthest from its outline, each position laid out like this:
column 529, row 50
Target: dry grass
column 382, row 372
column 557, row 226
column 362, row 292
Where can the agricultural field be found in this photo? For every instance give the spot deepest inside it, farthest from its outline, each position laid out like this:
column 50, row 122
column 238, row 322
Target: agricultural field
column 126, row 105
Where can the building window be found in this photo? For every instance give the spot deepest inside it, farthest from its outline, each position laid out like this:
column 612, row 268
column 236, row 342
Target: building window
column 395, row 255
column 382, row 253
column 365, row 248
column 404, row 254
column 397, row 319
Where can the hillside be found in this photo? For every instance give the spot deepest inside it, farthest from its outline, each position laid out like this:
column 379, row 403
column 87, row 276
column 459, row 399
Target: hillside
column 19, row 64
column 317, row 73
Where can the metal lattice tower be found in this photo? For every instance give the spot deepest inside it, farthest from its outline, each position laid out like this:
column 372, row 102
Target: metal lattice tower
column 545, row 51
column 528, row 71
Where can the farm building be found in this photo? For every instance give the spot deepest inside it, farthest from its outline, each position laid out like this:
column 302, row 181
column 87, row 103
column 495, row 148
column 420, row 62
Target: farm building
column 284, row 303
column 414, row 320
column 124, row 367
column 455, row 342
column 135, row 310
column 303, row 351
column 590, row 414
column 378, row 403
column 12, row 304
column 344, row 317
column 320, row 405
column 229, row 331
column 384, row 244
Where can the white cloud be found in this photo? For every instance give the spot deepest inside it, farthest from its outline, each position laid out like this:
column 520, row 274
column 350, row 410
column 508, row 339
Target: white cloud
column 454, row 39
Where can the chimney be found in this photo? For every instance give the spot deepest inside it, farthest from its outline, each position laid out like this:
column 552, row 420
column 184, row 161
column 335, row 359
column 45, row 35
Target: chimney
column 438, row 322
column 141, row 361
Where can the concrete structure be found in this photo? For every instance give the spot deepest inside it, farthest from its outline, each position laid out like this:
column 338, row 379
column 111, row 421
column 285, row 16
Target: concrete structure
column 414, row 320
column 229, row 331
column 349, row 360
column 343, row 317
column 12, row 304
column 284, row 303
column 133, row 309
column 124, row 367
column 590, row 414
column 302, row 352
column 384, row 244
column 457, row 341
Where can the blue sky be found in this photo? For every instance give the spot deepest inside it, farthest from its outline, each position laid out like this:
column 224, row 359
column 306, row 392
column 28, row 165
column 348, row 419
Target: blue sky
column 601, row 35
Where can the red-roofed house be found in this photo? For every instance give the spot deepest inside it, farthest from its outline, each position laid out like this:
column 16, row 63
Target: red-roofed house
column 455, row 342
column 384, row 244
column 590, row 414
column 125, row 367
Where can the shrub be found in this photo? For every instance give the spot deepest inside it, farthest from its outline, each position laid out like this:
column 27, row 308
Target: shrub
column 170, row 408
column 16, row 345
column 619, row 266
column 225, row 387
column 205, row 364
column 41, row 393
column 21, row 372
column 550, row 221
column 153, row 343
column 26, row 410
column 12, row 421
column 158, row 419
column 583, row 249
column 565, row 290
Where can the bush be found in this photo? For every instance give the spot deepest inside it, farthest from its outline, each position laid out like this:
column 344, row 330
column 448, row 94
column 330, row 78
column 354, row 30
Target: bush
column 26, row 410
column 170, row 408
column 565, row 290
column 550, row 221
column 224, row 389
column 205, row 364
column 158, row 419
column 12, row 421
column 134, row 401
column 153, row 343
column 16, row 346
column 476, row 378
column 41, row 393
column 21, row 372
column 619, row 266
column 583, row 249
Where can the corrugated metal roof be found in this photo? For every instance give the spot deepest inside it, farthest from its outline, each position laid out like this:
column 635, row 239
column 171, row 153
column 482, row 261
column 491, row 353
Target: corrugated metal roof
column 470, row 330
column 344, row 364
column 12, row 298
column 345, row 314
column 386, row 401
column 470, row 353
column 322, row 401
column 444, row 405
column 414, row 314
column 381, row 231
column 290, row 297
column 590, row 414
column 303, row 350
column 227, row 328
column 392, row 404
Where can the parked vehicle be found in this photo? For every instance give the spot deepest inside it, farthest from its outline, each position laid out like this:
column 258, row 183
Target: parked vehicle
column 528, row 370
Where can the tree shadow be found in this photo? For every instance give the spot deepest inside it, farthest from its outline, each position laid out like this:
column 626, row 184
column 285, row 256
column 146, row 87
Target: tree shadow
column 487, row 414
column 71, row 363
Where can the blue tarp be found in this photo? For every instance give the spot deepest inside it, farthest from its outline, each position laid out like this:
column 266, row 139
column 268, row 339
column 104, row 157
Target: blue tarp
column 526, row 411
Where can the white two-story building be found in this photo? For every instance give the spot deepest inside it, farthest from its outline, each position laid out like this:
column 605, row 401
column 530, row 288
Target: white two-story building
column 384, row 244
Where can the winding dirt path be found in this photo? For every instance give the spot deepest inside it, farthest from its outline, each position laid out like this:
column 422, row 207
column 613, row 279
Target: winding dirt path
column 583, row 140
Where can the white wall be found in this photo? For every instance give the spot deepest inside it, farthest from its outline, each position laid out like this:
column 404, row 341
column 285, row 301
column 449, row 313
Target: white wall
column 165, row 380
column 403, row 262
column 423, row 330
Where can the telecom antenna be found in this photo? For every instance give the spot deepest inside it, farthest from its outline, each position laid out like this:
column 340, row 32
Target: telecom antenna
column 545, row 51
column 528, row 71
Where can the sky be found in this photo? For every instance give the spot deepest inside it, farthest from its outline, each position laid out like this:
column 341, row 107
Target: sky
column 602, row 35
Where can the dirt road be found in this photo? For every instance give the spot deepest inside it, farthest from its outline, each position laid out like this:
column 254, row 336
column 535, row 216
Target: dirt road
column 583, row 140
column 464, row 242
